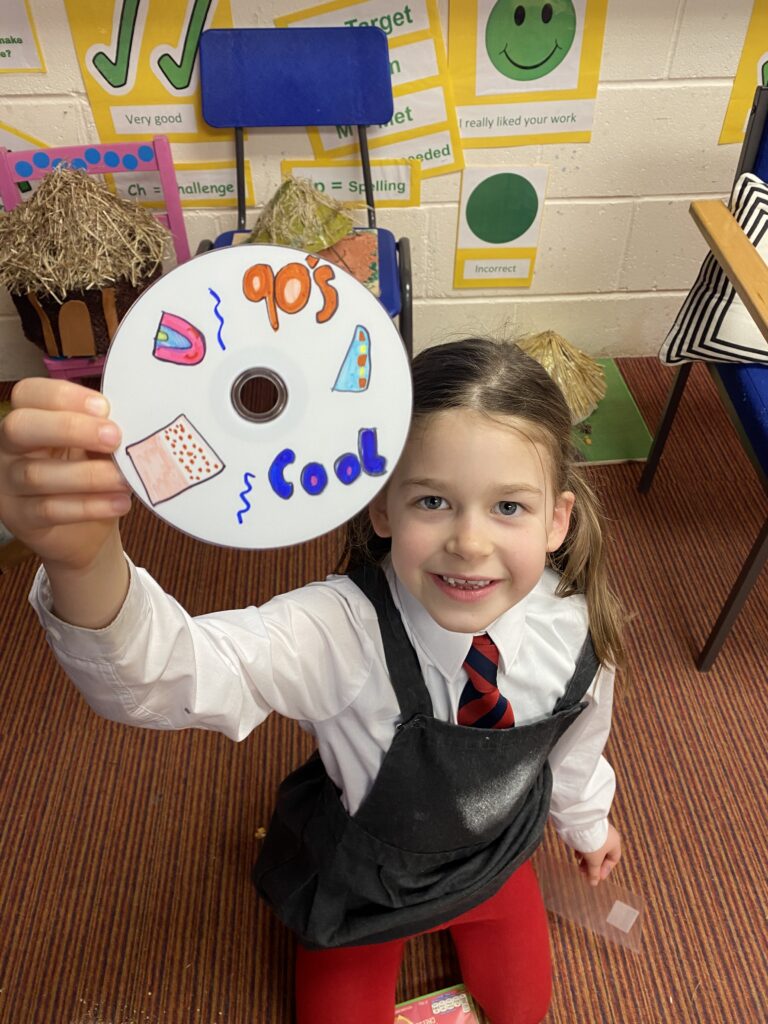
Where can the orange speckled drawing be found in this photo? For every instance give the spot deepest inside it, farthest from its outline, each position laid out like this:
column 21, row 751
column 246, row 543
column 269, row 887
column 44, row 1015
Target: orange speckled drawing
column 173, row 459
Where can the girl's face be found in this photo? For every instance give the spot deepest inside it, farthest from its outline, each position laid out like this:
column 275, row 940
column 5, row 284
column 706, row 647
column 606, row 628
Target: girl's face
column 472, row 513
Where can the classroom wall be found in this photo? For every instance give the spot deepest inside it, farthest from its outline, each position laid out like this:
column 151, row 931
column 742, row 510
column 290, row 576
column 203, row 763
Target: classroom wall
column 617, row 249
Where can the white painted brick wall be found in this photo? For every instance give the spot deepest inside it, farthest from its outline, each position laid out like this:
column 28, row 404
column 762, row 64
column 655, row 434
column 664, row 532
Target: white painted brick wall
column 617, row 250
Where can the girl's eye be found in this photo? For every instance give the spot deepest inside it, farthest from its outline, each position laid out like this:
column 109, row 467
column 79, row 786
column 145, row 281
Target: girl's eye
column 432, row 502
column 508, row 508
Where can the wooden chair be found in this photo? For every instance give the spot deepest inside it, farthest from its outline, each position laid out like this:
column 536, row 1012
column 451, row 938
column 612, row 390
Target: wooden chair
column 20, row 167
column 298, row 77
column 742, row 387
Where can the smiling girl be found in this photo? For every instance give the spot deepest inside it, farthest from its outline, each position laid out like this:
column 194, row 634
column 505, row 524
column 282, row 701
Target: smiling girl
column 457, row 677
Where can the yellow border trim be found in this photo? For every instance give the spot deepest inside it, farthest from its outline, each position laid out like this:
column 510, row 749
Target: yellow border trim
column 502, row 253
column 746, row 79
column 23, row 135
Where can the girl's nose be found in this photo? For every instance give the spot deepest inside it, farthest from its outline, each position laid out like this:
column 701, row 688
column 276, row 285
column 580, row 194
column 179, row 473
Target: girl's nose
column 468, row 540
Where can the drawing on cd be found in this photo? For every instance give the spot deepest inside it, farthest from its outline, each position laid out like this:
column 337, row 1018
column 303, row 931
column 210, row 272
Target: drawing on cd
column 243, row 496
column 355, row 372
column 289, row 290
column 178, row 341
column 220, row 318
column 173, row 459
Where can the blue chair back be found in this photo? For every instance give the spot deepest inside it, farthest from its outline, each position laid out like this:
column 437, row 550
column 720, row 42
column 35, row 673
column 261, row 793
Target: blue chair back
column 306, row 77
column 271, row 77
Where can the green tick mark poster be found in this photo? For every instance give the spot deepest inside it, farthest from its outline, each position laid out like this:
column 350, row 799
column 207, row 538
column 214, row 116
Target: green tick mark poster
column 139, row 64
column 499, row 219
column 525, row 72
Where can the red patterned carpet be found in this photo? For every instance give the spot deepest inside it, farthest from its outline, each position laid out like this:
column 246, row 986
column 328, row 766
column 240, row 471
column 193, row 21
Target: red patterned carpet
column 125, row 854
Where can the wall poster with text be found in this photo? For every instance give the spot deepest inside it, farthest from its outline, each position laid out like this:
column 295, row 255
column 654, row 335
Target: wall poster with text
column 499, row 222
column 394, row 182
column 525, row 73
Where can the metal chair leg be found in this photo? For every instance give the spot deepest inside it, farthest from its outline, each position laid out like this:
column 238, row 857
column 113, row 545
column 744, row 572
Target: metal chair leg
column 664, row 427
column 406, row 294
column 756, row 559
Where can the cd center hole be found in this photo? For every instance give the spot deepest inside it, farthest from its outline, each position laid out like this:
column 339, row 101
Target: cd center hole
column 259, row 395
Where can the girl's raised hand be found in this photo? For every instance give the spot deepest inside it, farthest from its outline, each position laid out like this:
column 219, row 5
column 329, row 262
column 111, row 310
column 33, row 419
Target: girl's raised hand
column 60, row 492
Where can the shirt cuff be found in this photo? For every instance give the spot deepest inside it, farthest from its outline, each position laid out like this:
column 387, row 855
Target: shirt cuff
column 585, row 840
column 78, row 641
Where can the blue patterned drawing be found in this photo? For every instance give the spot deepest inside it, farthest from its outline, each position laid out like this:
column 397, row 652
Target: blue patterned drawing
column 355, row 372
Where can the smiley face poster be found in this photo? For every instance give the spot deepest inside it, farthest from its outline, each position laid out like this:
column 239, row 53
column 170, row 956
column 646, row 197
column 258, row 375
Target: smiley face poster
column 525, row 72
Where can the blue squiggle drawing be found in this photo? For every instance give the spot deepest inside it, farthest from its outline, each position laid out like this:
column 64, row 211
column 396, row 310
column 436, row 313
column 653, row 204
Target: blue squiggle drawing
column 246, row 490
column 219, row 317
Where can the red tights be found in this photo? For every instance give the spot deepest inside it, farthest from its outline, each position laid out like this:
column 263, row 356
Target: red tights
column 503, row 949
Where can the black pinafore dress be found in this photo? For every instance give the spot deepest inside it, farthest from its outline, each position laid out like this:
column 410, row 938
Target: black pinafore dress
column 452, row 813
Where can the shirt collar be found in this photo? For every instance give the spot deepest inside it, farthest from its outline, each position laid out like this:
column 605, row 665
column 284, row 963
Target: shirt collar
column 445, row 649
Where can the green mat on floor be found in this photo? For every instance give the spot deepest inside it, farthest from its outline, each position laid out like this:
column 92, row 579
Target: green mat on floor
column 615, row 432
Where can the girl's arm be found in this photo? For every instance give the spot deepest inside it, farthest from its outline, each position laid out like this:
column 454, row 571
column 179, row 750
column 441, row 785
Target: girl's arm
column 583, row 781
column 303, row 654
column 61, row 494
column 155, row 666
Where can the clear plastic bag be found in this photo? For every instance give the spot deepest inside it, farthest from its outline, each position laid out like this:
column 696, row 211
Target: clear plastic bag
column 607, row 909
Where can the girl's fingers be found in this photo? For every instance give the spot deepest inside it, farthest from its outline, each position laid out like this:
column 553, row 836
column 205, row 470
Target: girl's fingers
column 61, row 476
column 58, row 396
column 26, row 430
column 66, row 509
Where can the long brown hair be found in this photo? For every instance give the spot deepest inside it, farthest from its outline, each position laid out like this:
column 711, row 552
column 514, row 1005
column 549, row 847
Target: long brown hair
column 498, row 378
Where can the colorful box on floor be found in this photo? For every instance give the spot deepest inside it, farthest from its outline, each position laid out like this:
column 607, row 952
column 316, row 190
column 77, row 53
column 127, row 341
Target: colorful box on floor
column 448, row 1006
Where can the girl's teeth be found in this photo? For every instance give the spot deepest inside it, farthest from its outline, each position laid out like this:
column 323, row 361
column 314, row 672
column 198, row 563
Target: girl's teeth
column 465, row 584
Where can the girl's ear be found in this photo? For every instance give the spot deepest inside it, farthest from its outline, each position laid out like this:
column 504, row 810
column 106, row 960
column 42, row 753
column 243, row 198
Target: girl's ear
column 561, row 519
column 377, row 510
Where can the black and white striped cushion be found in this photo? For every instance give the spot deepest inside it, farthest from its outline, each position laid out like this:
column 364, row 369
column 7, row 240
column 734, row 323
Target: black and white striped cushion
column 713, row 323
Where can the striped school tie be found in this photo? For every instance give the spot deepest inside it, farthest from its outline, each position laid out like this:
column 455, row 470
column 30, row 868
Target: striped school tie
column 480, row 703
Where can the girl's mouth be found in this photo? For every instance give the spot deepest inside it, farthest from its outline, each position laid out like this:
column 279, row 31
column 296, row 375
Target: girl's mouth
column 463, row 588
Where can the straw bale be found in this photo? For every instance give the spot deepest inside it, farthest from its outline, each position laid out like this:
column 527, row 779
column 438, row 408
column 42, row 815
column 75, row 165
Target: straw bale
column 74, row 234
column 580, row 378
column 300, row 216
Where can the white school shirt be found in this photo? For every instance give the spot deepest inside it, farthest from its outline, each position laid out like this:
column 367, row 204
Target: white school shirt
column 315, row 655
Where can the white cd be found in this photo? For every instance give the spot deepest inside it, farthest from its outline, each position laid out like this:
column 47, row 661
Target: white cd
column 264, row 396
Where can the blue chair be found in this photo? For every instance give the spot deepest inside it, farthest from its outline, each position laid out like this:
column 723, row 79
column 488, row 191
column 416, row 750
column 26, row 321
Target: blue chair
column 742, row 387
column 299, row 77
